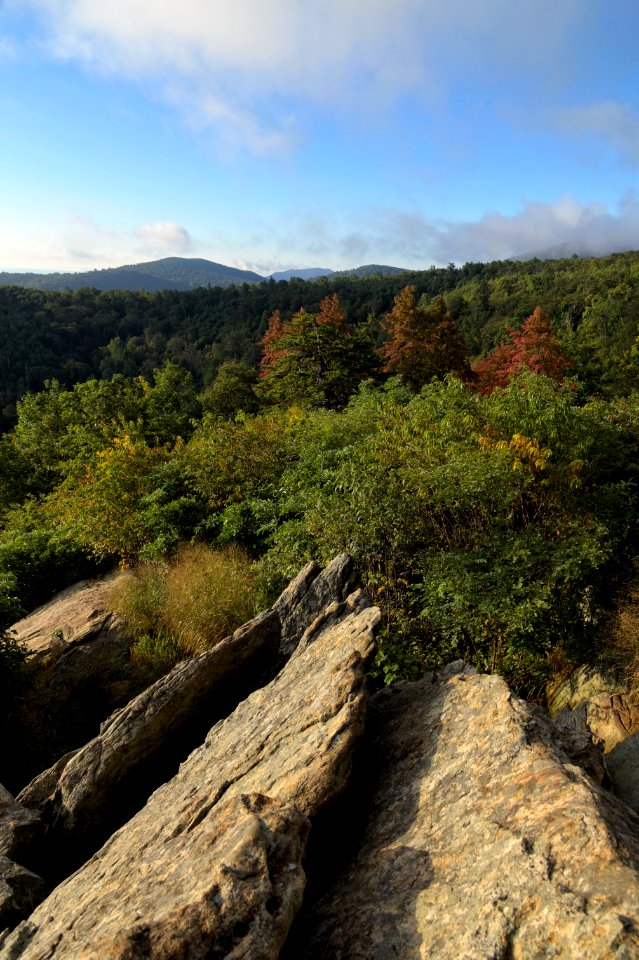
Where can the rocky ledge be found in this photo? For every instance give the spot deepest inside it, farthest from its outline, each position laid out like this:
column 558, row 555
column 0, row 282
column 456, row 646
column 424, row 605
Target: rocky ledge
column 444, row 818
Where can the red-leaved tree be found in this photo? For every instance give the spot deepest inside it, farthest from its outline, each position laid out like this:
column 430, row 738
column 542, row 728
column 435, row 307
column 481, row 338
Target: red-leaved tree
column 534, row 347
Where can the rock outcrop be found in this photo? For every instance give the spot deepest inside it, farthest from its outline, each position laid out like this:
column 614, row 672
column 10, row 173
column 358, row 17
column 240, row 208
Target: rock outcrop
column 595, row 701
column 75, row 617
column 481, row 839
column 445, row 818
column 310, row 593
column 289, row 743
column 77, row 647
column 92, row 791
column 600, row 704
column 20, row 889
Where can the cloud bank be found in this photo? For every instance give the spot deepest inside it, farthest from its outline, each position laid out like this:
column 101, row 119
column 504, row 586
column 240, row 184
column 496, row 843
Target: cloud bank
column 412, row 239
column 246, row 66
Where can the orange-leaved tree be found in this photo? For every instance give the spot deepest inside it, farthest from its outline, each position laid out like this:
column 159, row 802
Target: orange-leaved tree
column 423, row 341
column 534, row 347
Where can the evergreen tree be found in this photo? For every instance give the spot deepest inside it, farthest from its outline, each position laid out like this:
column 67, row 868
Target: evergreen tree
column 535, row 347
column 316, row 359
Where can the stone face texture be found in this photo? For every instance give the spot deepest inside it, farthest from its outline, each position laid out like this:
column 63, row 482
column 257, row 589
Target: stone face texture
column 592, row 700
column 481, row 840
column 19, row 828
column 237, row 902
column 290, row 742
column 81, row 790
column 20, row 889
column 307, row 595
column 73, row 617
column 622, row 764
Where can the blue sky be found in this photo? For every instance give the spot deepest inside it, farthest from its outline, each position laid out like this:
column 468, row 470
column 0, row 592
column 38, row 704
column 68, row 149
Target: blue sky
column 302, row 133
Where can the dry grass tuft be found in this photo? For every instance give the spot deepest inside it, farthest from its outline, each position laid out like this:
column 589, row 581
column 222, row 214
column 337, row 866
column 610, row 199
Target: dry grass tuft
column 180, row 609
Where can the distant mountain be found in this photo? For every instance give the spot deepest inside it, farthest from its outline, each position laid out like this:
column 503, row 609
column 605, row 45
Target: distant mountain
column 308, row 273
column 371, row 270
column 170, row 273
column 173, row 273
column 583, row 248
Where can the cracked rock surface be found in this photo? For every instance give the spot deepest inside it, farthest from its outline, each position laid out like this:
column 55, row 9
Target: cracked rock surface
column 289, row 745
column 482, row 841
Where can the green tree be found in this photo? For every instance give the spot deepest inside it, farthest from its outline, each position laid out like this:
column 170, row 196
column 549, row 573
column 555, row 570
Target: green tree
column 170, row 405
column 316, row 359
column 232, row 391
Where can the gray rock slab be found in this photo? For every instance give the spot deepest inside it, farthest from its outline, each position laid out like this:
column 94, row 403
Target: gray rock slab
column 73, row 617
column 20, row 889
column 481, row 840
column 90, row 789
column 228, row 889
column 622, row 764
column 291, row 741
column 307, row 595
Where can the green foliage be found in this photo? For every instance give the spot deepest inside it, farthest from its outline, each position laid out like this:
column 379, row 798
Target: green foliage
column 170, row 405
column 58, row 428
column 481, row 524
column 315, row 359
column 37, row 558
column 12, row 659
column 127, row 501
column 231, row 392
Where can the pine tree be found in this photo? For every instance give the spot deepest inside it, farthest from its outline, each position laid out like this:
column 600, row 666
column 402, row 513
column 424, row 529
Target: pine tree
column 317, row 359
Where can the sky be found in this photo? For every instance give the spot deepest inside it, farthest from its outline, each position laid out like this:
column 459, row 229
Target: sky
column 299, row 133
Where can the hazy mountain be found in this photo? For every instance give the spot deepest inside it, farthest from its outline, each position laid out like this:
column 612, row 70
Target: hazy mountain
column 370, row 270
column 170, row 273
column 308, row 273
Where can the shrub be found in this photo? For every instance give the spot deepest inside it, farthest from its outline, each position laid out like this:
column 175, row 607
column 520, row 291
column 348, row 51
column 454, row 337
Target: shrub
column 180, row 609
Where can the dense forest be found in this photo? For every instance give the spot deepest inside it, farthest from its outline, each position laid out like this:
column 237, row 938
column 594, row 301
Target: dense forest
column 76, row 336
column 470, row 435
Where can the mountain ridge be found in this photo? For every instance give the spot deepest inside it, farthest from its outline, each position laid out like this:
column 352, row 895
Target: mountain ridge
column 170, row 273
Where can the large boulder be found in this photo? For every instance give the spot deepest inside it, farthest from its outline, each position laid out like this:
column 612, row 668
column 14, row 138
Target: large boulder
column 80, row 615
column 76, row 648
column 191, row 875
column 478, row 839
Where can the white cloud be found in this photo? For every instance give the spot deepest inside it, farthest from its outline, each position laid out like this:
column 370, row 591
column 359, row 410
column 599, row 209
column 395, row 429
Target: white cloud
column 164, row 238
column 223, row 61
column 588, row 229
column 614, row 122
column 76, row 242
column 412, row 239
column 399, row 237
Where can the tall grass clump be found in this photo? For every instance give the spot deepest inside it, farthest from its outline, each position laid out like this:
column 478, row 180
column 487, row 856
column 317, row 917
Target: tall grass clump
column 182, row 608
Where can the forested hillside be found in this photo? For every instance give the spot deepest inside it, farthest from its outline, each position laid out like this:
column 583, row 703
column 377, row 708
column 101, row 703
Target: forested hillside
column 470, row 436
column 74, row 336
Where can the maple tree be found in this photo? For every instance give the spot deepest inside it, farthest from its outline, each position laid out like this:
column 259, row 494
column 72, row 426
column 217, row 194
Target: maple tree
column 424, row 342
column 534, row 347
